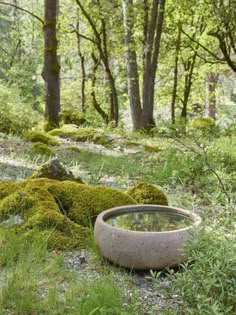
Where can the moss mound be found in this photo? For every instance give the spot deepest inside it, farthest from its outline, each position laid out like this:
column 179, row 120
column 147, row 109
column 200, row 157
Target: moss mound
column 70, row 116
column 79, row 134
column 145, row 193
column 85, row 134
column 7, row 187
column 62, row 210
column 66, row 131
column 34, row 136
column 152, row 149
column 42, row 149
column 81, row 202
column 40, row 213
column 202, row 123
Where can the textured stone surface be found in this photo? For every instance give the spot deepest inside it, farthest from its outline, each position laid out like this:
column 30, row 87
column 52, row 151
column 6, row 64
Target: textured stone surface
column 53, row 169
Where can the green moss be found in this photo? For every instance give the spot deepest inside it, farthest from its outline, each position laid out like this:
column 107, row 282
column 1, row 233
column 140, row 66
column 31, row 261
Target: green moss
column 34, row 136
column 8, row 187
column 63, row 233
column 79, row 134
column 56, row 67
column 106, row 197
column 85, row 134
column 41, row 149
column 202, row 123
column 145, row 193
column 41, row 213
column 15, row 203
column 152, row 149
column 70, row 116
column 49, row 125
column 62, row 210
column 55, row 132
column 81, row 202
column 99, row 139
column 62, row 133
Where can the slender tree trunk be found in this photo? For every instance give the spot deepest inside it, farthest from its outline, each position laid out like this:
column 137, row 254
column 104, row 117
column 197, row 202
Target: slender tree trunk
column 131, row 64
column 96, row 105
column 101, row 44
column 51, row 69
column 211, row 81
column 152, row 48
column 83, row 73
column 145, row 30
column 188, row 67
column 175, row 83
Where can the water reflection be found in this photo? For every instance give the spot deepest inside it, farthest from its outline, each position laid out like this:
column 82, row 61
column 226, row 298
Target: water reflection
column 150, row 221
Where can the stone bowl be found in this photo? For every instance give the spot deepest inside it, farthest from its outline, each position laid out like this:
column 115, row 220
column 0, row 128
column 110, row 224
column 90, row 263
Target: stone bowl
column 140, row 249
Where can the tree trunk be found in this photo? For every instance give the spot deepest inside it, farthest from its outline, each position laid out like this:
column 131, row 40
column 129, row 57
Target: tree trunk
column 51, row 69
column 96, row 105
column 188, row 67
column 175, row 83
column 101, row 43
column 83, row 73
column 211, row 81
column 152, row 48
column 131, row 64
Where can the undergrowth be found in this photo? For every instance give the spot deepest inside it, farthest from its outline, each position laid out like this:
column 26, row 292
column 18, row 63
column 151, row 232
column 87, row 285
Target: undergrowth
column 35, row 281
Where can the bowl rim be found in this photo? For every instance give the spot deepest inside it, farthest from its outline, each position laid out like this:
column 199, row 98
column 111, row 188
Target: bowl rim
column 104, row 215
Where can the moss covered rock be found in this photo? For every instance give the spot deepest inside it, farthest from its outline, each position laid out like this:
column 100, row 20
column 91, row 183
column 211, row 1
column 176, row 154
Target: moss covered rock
column 40, row 213
column 8, row 187
column 42, row 149
column 34, row 136
column 60, row 210
column 203, row 123
column 66, row 131
column 81, row 202
column 80, row 134
column 53, row 169
column 70, row 116
column 152, row 148
column 145, row 193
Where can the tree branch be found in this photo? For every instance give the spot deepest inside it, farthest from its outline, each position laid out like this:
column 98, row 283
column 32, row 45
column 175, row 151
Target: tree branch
column 225, row 51
column 83, row 36
column 202, row 46
column 24, row 10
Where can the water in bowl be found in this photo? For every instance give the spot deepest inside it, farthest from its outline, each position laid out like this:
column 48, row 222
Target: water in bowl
column 150, row 221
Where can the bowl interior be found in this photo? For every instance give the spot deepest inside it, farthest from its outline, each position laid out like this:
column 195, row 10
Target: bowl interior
column 149, row 218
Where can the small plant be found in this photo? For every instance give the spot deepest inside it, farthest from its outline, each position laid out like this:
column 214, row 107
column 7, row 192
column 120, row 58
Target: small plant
column 154, row 275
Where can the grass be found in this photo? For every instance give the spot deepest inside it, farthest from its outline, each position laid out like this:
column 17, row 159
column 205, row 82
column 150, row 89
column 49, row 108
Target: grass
column 35, row 281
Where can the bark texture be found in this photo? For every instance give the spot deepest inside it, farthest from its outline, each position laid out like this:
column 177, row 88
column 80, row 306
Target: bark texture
column 131, row 65
column 212, row 80
column 175, row 82
column 51, row 69
column 83, row 72
column 151, row 54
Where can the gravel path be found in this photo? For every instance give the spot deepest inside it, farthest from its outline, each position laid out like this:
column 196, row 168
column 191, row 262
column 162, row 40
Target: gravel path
column 151, row 297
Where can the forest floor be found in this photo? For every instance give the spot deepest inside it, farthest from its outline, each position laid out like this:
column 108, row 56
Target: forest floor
column 120, row 164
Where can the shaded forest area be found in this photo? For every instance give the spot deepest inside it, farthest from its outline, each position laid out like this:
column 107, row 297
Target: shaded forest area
column 153, row 60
